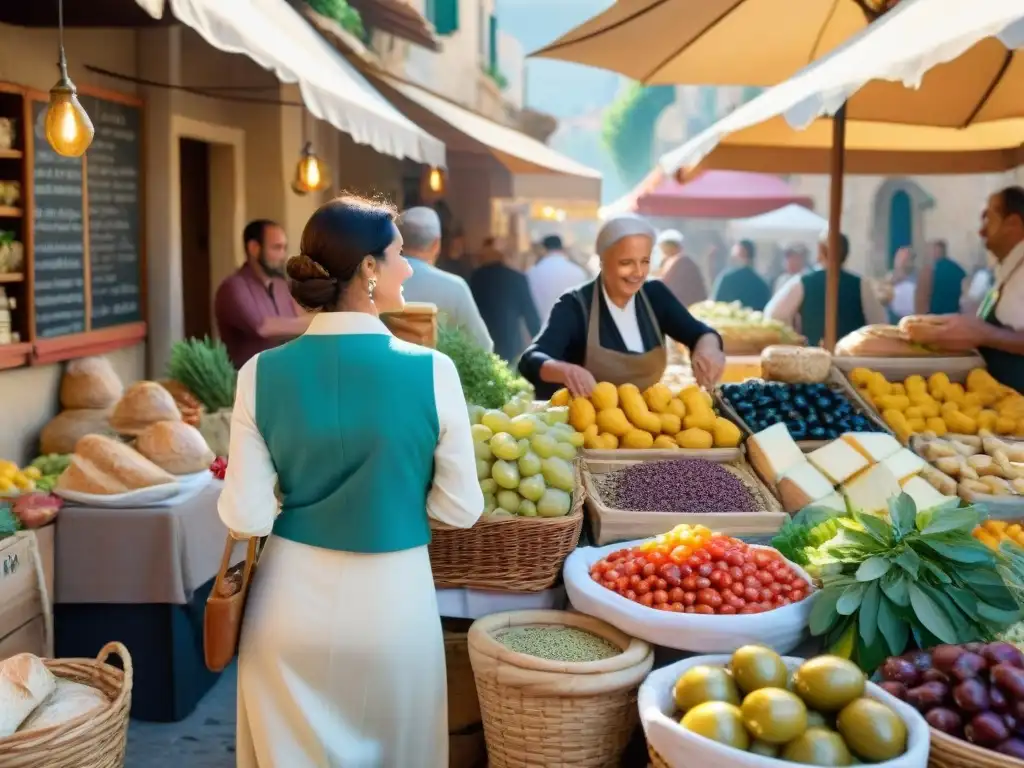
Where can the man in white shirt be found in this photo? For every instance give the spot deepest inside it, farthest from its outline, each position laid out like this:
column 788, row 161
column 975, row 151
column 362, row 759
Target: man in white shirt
column 421, row 231
column 998, row 329
column 794, row 263
column 553, row 275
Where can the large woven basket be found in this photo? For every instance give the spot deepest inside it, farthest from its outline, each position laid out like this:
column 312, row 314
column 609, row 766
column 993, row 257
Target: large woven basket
column 511, row 554
column 553, row 714
column 949, row 752
column 94, row 740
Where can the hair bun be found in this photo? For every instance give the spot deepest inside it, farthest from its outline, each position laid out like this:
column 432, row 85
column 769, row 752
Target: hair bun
column 301, row 268
column 311, row 284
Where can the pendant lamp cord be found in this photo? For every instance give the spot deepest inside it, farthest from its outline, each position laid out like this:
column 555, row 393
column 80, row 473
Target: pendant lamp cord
column 63, row 64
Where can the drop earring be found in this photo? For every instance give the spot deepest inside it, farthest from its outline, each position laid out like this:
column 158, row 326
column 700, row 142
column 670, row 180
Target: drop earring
column 372, row 282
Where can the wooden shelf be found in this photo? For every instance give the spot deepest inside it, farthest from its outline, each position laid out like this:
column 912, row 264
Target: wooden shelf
column 86, row 344
column 15, row 355
column 11, row 277
column 6, row 212
column 11, row 154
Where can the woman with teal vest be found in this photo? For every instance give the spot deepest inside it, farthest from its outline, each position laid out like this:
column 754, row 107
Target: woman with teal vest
column 341, row 658
column 801, row 302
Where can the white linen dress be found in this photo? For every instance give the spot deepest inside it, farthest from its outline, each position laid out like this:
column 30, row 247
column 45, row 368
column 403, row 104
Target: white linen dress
column 341, row 660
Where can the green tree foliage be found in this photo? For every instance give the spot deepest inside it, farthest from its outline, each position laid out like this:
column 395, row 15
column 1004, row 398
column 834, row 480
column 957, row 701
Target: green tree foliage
column 628, row 128
column 343, row 13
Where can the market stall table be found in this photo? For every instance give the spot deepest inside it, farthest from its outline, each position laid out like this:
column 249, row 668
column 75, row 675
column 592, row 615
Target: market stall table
column 141, row 577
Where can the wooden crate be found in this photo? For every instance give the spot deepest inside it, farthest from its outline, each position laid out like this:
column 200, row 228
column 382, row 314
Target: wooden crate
column 608, row 524
column 25, row 608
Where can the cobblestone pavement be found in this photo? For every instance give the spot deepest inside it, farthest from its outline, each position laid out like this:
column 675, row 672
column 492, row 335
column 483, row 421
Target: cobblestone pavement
column 205, row 739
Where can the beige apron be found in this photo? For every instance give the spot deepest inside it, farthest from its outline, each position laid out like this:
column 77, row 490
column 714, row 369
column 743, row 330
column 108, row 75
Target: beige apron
column 644, row 369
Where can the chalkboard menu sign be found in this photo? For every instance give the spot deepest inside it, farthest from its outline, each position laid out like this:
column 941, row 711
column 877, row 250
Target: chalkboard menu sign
column 59, row 237
column 113, row 181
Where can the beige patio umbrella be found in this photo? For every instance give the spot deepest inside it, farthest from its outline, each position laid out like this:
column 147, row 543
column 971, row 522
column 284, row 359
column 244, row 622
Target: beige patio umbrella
column 713, row 42
column 966, row 116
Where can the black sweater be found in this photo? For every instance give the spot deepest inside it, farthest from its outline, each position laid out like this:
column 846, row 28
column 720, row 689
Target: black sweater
column 564, row 335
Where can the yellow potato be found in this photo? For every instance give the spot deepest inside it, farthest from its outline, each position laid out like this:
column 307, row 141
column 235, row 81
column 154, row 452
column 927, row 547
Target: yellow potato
column 676, row 407
column 637, row 438
column 613, row 421
column 665, row 442
column 581, row 414
column 561, row 397
column 936, row 425
column 605, row 396
column 695, row 438
column 658, row 398
column 725, row 433
column 670, row 423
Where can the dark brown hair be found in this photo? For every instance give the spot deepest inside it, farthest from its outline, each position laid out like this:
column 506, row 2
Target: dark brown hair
column 335, row 240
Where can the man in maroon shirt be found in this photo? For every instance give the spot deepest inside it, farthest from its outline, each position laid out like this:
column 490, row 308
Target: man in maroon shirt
column 254, row 307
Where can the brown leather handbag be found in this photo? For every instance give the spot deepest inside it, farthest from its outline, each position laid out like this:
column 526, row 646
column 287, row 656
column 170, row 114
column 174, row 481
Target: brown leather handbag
column 222, row 620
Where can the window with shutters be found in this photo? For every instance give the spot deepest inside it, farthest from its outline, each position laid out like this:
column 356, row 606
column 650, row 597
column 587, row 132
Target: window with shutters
column 444, row 14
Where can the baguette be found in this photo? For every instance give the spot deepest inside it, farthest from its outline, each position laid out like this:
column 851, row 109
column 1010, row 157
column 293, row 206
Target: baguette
column 69, row 700
column 24, row 683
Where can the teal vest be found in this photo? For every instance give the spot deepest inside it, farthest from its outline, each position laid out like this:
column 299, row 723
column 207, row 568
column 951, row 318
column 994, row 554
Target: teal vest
column 947, row 285
column 812, row 311
column 351, row 425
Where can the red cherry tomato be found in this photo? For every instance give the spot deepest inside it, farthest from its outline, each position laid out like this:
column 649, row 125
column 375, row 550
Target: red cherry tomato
column 776, row 588
column 766, row 595
column 661, row 584
column 694, row 562
column 689, row 609
column 727, row 610
column 649, row 568
column 705, row 609
column 703, row 583
column 622, row 583
column 765, row 578
column 736, row 572
column 734, row 558
column 646, row 599
column 630, row 595
column 796, row 595
column 705, row 569
column 716, row 550
column 676, row 607
column 737, row 588
column 612, row 575
column 690, row 582
column 689, row 598
column 660, row 596
column 675, row 595
column 643, row 588
column 751, row 594
column 762, row 558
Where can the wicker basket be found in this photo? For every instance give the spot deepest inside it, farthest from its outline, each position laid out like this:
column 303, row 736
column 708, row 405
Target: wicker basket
column 539, row 712
column 511, row 554
column 656, row 760
column 94, row 740
column 949, row 752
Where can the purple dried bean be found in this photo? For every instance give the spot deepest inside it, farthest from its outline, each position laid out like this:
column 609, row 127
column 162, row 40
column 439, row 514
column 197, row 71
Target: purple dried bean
column 684, row 485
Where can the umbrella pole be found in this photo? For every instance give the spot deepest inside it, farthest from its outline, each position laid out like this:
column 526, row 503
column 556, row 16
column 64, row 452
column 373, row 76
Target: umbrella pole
column 835, row 217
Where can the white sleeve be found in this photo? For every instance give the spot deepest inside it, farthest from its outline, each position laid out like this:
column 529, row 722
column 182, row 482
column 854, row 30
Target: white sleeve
column 874, row 312
column 247, row 504
column 455, row 497
column 785, row 305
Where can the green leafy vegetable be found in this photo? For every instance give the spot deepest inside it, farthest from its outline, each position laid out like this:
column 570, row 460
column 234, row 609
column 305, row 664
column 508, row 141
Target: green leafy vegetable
column 913, row 573
column 487, row 380
column 9, row 523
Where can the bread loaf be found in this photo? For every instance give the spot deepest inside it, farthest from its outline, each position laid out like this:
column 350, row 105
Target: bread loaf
column 24, row 683
column 68, row 701
column 878, row 341
column 65, row 429
column 175, row 447
column 795, row 364
column 104, row 466
column 90, row 383
column 144, row 403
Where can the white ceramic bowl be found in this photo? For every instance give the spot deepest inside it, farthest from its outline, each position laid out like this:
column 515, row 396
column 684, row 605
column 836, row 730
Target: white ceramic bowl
column 681, row 748
column 782, row 629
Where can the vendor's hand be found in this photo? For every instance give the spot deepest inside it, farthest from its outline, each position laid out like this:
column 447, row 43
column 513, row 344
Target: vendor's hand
column 577, row 379
column 708, row 360
column 960, row 333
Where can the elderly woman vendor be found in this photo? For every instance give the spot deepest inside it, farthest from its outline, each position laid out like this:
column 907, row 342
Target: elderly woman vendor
column 613, row 328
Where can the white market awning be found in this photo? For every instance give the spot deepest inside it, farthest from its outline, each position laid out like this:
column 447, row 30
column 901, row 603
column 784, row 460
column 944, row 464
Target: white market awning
column 275, row 36
column 519, row 153
column 790, row 221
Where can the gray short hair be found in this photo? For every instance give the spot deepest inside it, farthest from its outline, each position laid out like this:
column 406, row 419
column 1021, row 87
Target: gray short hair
column 420, row 227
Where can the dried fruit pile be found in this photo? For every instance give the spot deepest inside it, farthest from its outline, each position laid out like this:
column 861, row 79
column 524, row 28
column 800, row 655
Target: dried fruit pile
column 973, row 691
column 684, row 485
column 692, row 570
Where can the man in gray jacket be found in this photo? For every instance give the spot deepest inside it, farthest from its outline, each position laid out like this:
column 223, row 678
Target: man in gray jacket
column 421, row 231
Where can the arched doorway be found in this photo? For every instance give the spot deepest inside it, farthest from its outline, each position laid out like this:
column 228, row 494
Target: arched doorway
column 901, row 223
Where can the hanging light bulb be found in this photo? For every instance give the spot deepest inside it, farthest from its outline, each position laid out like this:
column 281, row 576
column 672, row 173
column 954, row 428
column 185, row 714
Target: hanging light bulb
column 436, row 180
column 310, row 173
column 68, row 127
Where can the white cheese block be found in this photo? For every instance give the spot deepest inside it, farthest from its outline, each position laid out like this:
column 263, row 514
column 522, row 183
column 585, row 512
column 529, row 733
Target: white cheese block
column 924, row 494
column 838, row 461
column 874, row 446
column 774, row 452
column 802, row 485
column 870, row 491
column 905, row 464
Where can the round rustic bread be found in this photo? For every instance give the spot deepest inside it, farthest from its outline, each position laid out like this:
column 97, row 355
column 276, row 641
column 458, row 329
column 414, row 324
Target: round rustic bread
column 175, row 447
column 144, row 403
column 795, row 364
column 90, row 382
column 66, row 428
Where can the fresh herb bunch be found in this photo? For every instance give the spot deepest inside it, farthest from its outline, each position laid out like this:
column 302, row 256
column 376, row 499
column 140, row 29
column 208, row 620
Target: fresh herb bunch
column 205, row 368
column 919, row 574
column 803, row 534
column 487, row 380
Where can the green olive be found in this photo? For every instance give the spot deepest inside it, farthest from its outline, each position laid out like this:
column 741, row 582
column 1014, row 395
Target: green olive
column 873, row 731
column 718, row 721
column 755, row 666
column 828, row 683
column 704, row 683
column 774, row 715
column 818, row 746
